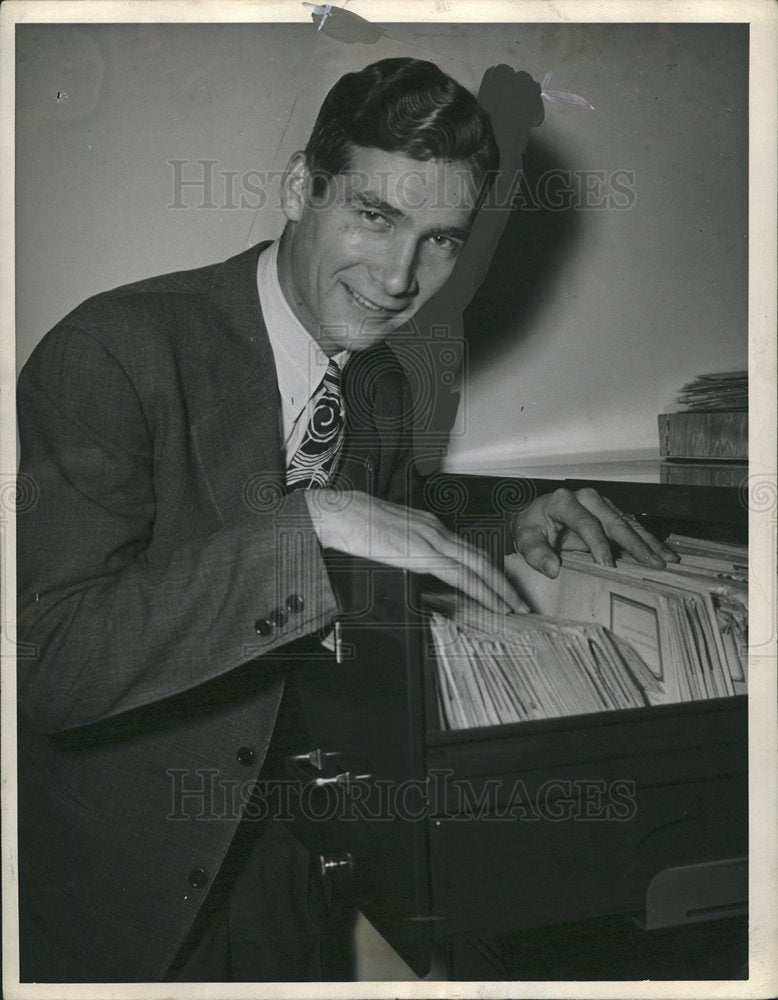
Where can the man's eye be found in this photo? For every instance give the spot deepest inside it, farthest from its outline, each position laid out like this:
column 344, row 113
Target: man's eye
column 445, row 243
column 374, row 219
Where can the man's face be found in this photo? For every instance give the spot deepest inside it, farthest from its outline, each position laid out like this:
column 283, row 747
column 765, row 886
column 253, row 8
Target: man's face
column 380, row 242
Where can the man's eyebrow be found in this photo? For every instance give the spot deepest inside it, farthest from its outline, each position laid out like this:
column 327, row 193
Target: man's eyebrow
column 371, row 201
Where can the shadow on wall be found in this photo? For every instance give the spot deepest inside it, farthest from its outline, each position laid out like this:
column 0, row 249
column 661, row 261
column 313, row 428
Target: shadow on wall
column 540, row 233
column 528, row 263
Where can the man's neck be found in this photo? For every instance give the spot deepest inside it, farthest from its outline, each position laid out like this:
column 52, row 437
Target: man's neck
column 285, row 256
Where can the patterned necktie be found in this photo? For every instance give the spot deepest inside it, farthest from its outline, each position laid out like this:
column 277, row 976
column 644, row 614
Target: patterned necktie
column 316, row 456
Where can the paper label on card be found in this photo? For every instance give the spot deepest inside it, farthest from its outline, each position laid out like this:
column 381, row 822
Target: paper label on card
column 638, row 624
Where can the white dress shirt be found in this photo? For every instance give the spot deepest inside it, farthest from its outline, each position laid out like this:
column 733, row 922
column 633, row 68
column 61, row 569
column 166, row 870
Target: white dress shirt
column 300, row 362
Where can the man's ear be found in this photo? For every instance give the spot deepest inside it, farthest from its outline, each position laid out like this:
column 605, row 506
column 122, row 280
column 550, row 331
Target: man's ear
column 294, row 187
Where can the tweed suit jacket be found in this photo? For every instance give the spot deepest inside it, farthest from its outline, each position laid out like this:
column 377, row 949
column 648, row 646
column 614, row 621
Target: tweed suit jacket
column 163, row 572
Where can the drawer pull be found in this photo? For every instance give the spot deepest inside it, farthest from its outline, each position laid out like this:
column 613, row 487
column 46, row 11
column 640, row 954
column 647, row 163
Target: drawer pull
column 343, row 778
column 314, row 757
column 336, row 864
column 321, row 768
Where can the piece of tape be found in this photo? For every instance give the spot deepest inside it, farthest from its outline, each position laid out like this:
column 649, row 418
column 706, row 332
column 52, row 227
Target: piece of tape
column 343, row 25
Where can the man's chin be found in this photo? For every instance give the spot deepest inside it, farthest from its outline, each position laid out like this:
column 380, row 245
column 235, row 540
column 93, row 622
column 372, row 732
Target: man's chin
column 368, row 333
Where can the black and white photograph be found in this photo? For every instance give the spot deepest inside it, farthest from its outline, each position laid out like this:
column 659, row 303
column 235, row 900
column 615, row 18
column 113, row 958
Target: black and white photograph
column 389, row 503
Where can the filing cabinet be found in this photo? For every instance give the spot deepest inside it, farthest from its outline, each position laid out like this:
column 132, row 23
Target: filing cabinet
column 449, row 834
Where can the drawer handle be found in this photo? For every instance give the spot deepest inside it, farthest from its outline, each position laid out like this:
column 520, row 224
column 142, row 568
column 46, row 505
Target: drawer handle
column 321, row 768
column 344, row 778
column 313, row 757
column 336, row 864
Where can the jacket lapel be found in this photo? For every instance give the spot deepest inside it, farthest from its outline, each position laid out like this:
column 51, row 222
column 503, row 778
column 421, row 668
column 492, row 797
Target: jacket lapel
column 236, row 434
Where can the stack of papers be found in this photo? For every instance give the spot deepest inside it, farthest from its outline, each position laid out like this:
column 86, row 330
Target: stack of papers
column 496, row 669
column 717, row 391
column 687, row 622
column 598, row 638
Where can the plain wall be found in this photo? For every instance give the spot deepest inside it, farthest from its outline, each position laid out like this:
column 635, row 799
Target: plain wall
column 593, row 315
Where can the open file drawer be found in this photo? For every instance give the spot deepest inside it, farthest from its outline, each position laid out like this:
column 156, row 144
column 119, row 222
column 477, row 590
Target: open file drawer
column 506, row 827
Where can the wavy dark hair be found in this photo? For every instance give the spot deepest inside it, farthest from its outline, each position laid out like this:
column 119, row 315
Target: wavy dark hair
column 407, row 106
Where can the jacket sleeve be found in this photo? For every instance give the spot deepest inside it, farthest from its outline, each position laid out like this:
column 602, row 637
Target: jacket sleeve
column 113, row 628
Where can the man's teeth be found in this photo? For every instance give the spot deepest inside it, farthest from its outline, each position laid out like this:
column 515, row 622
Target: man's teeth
column 365, row 302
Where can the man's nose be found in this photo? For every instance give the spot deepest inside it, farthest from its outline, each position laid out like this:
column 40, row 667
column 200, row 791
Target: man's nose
column 396, row 271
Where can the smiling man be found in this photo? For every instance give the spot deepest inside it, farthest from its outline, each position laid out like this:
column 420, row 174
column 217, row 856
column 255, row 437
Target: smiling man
column 381, row 244
column 198, row 441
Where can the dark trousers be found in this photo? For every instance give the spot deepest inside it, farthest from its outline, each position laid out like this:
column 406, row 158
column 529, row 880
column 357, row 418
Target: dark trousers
column 268, row 917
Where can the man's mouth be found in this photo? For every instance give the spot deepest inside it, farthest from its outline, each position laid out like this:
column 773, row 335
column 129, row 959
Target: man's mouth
column 368, row 304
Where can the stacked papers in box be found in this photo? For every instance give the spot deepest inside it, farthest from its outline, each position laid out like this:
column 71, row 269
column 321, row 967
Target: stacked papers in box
column 716, row 391
column 598, row 638
column 495, row 669
column 687, row 622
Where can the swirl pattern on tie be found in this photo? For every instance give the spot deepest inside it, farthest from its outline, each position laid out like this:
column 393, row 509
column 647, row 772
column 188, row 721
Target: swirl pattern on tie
column 314, row 461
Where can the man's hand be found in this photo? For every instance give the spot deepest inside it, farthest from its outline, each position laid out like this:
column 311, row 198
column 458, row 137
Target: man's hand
column 363, row 525
column 585, row 521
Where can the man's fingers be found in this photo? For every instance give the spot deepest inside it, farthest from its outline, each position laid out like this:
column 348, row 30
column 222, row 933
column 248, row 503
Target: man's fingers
column 456, row 574
column 565, row 520
column 599, row 522
column 568, row 510
column 634, row 539
column 623, row 533
column 660, row 552
column 414, row 540
column 603, row 521
column 658, row 548
column 478, row 571
column 533, row 545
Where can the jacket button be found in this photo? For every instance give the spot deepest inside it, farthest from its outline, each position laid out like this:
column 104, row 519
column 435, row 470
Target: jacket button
column 295, row 603
column 198, row 877
column 245, row 756
column 263, row 626
column 278, row 617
